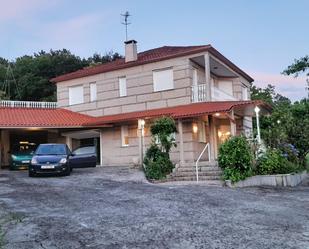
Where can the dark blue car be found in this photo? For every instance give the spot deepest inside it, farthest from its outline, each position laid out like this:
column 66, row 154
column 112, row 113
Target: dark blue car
column 58, row 159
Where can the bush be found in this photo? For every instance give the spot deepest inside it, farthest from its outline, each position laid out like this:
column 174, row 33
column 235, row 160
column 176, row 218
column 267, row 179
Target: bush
column 235, row 158
column 274, row 162
column 157, row 163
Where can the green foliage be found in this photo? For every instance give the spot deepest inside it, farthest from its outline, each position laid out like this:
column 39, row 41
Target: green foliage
column 163, row 129
column 299, row 66
column 33, row 73
column 235, row 153
column 157, row 163
column 288, row 123
column 236, row 159
column 273, row 162
column 235, row 175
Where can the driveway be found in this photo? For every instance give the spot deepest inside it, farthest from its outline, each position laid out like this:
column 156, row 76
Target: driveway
column 93, row 208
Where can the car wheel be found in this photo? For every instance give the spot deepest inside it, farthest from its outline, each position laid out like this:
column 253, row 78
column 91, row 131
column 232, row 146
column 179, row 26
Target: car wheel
column 31, row 174
column 67, row 172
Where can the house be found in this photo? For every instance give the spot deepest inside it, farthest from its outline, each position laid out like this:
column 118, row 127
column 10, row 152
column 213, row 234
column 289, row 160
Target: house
column 112, row 105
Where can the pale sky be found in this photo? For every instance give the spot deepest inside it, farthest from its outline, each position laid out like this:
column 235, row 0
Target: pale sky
column 261, row 37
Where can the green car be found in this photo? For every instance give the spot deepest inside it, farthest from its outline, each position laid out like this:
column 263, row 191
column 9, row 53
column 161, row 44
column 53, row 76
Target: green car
column 21, row 155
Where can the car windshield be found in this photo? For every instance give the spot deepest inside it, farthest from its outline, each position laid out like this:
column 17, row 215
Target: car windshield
column 24, row 148
column 84, row 150
column 51, row 149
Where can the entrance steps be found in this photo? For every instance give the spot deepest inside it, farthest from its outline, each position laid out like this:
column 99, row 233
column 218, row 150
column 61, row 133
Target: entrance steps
column 207, row 171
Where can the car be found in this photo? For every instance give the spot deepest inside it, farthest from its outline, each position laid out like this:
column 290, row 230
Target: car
column 58, row 159
column 83, row 157
column 21, row 155
column 50, row 159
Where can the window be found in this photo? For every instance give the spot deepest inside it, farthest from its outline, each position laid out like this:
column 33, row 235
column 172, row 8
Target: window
column 124, row 135
column 226, row 86
column 122, row 86
column 76, row 95
column 163, row 80
column 202, row 132
column 93, row 92
column 244, row 93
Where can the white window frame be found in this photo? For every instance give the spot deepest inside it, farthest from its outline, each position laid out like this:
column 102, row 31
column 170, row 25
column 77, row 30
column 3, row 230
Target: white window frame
column 122, row 86
column 93, row 91
column 245, row 95
column 73, row 91
column 163, row 79
column 124, row 134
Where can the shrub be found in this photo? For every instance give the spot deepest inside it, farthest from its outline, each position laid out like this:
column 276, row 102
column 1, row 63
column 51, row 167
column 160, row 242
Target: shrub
column 274, row 162
column 157, row 163
column 235, row 174
column 235, row 154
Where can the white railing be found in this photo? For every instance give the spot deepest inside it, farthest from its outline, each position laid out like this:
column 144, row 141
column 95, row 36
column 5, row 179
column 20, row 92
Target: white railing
column 219, row 95
column 28, row 104
column 199, row 93
column 199, row 158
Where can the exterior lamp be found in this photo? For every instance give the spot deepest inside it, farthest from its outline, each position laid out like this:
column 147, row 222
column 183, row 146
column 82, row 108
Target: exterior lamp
column 194, row 128
column 257, row 110
column 217, row 114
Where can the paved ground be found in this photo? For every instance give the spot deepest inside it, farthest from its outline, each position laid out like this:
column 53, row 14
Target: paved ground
column 92, row 209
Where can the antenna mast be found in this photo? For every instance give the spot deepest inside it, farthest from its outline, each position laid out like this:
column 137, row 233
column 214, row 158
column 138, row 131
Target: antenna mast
column 126, row 22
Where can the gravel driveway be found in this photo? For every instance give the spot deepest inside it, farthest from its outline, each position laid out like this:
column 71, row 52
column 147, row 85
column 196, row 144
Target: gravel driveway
column 94, row 208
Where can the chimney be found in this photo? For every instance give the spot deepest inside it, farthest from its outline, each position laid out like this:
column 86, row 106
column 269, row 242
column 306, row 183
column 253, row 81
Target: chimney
column 130, row 50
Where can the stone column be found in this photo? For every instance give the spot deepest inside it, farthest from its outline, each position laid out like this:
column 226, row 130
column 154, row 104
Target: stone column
column 101, row 147
column 181, row 150
column 207, row 77
column 233, row 124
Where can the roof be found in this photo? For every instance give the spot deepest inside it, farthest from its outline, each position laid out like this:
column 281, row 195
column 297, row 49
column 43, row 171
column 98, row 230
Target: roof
column 183, row 111
column 12, row 117
column 150, row 56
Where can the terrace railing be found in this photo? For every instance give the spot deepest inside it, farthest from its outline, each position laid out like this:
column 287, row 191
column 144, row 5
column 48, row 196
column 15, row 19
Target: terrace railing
column 28, row 104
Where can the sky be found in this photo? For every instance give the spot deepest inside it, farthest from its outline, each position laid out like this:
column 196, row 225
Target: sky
column 262, row 37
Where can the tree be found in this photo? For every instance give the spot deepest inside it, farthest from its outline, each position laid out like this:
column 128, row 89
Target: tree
column 33, row 72
column 299, row 66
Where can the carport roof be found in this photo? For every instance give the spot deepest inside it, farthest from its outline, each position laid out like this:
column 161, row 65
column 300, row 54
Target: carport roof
column 183, row 111
column 12, row 117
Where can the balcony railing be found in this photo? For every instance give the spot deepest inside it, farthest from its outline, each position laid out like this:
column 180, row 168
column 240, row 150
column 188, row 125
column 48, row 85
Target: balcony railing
column 28, row 104
column 199, row 94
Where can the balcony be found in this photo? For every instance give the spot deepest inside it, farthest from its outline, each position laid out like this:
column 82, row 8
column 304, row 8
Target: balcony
column 199, row 94
column 28, row 104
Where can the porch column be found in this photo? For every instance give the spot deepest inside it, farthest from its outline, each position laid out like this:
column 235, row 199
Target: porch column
column 68, row 141
column 212, row 137
column 207, row 77
column 233, row 124
column 181, row 151
column 101, row 147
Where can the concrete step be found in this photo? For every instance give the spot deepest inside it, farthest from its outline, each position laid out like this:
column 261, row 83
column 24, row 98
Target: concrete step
column 193, row 173
column 201, row 163
column 193, row 178
column 202, row 168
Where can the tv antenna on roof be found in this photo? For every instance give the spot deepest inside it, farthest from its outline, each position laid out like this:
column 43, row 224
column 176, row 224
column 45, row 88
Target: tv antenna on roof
column 126, row 22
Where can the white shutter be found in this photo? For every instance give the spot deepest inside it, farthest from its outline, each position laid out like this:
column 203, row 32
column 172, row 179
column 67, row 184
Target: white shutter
column 163, row 80
column 122, row 86
column 244, row 93
column 93, row 92
column 226, row 86
column 76, row 95
column 124, row 135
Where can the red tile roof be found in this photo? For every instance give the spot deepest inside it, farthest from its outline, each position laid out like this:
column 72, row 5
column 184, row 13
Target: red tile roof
column 183, row 111
column 12, row 117
column 149, row 56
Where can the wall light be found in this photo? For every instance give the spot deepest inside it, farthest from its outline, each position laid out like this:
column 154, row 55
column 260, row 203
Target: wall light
column 194, row 128
column 217, row 114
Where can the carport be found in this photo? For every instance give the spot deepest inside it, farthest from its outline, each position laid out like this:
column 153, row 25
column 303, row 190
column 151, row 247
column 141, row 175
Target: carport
column 23, row 125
